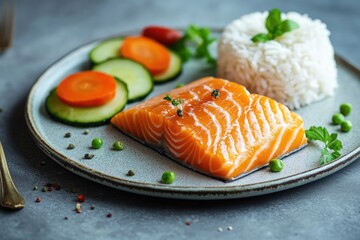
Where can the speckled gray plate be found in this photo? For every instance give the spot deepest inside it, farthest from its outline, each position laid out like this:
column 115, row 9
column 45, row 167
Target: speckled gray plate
column 109, row 167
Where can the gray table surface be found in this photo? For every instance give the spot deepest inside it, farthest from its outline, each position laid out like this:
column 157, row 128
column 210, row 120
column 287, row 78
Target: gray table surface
column 48, row 29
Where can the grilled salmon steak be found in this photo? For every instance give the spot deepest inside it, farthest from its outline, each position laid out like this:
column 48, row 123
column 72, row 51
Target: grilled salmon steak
column 215, row 127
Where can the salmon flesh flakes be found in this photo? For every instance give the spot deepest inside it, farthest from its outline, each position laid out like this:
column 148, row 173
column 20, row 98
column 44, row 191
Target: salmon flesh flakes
column 225, row 136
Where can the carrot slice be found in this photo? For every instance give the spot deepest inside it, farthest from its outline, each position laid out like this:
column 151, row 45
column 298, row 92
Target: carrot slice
column 87, row 89
column 154, row 56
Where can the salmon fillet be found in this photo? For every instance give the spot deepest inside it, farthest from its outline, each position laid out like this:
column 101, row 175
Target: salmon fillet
column 224, row 137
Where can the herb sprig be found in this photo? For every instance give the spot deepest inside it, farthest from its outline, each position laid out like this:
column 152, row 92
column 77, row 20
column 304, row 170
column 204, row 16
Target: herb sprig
column 330, row 140
column 176, row 102
column 275, row 26
column 195, row 43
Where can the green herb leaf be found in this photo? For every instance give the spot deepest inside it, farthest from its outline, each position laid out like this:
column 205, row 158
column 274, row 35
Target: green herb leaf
column 335, row 145
column 167, row 97
column 288, row 26
column 333, row 137
column 335, row 155
column 175, row 102
column 180, row 47
column 273, row 19
column 261, row 37
column 326, row 157
column 317, row 133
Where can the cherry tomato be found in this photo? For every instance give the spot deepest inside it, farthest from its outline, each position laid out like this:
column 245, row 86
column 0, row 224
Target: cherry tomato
column 164, row 35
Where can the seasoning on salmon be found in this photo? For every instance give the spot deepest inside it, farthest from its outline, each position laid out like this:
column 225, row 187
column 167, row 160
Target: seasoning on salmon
column 223, row 137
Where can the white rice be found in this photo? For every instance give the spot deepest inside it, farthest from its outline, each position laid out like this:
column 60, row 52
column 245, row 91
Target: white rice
column 296, row 69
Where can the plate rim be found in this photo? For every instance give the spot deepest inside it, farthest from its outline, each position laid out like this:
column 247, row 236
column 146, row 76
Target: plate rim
column 180, row 192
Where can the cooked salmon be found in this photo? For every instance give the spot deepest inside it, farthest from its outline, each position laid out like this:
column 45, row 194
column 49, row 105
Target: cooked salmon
column 224, row 133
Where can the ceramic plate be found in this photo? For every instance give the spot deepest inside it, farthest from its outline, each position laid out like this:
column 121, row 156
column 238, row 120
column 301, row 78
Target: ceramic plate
column 109, row 167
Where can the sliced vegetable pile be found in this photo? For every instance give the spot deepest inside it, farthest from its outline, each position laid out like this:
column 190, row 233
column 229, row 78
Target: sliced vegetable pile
column 84, row 99
column 125, row 70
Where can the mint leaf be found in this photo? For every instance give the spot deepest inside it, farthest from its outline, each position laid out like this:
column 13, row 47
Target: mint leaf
column 273, row 19
column 261, row 37
column 288, row 26
column 275, row 27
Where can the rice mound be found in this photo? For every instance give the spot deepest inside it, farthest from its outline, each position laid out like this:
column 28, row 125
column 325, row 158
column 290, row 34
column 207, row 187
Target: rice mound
column 295, row 69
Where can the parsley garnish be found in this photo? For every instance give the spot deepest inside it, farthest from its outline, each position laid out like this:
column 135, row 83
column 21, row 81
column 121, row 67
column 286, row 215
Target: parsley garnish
column 275, row 27
column 195, row 43
column 175, row 102
column 330, row 140
column 167, row 97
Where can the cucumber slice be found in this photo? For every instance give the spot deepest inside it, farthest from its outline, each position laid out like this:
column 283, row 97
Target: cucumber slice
column 137, row 78
column 87, row 116
column 105, row 50
column 173, row 70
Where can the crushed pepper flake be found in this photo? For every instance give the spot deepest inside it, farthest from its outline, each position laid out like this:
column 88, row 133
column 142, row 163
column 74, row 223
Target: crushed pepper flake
column 57, row 186
column 70, row 146
column 38, row 200
column 80, row 198
column 88, row 156
column 78, row 207
column 130, row 173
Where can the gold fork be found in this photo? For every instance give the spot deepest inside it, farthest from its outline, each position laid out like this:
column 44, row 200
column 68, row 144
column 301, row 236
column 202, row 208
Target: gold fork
column 7, row 24
column 10, row 197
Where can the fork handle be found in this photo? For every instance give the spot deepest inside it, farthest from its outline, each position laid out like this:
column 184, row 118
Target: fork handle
column 10, row 197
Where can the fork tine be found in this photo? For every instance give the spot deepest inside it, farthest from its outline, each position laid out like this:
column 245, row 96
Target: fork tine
column 3, row 23
column 12, row 21
column 2, row 26
column 7, row 23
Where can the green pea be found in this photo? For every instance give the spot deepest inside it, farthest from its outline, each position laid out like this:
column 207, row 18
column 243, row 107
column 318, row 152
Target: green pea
column 345, row 108
column 346, row 126
column 276, row 165
column 168, row 177
column 118, row 146
column 337, row 119
column 96, row 143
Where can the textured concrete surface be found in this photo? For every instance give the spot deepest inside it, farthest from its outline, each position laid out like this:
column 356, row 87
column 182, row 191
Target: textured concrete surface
column 47, row 29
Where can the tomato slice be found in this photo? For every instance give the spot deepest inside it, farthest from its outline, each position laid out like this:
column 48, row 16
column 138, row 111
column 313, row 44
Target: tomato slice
column 164, row 35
